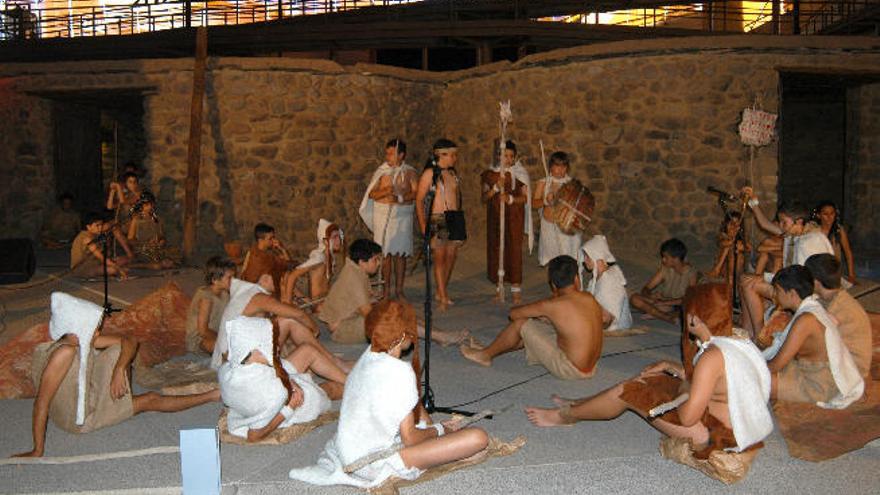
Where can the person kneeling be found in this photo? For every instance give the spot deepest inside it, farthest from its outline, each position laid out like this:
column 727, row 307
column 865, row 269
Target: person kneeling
column 254, row 389
column 728, row 389
column 81, row 356
column 380, row 408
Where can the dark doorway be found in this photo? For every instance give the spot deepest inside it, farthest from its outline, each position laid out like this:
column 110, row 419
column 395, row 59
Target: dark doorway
column 813, row 140
column 95, row 135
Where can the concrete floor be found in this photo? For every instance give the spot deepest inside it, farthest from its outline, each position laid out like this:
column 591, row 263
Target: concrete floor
column 618, row 456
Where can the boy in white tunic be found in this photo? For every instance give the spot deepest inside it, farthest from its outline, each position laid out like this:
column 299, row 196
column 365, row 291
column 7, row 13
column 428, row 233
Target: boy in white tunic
column 553, row 242
column 607, row 284
column 387, row 209
column 380, row 408
column 259, row 401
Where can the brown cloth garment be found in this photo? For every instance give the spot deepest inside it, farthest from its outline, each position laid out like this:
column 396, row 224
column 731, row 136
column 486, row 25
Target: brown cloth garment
column 260, row 262
column 514, row 229
column 855, row 329
column 717, row 314
column 815, row 434
column 218, row 304
column 102, row 410
column 340, row 309
column 82, row 262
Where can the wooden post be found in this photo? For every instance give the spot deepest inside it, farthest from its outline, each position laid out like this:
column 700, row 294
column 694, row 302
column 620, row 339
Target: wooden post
column 194, row 151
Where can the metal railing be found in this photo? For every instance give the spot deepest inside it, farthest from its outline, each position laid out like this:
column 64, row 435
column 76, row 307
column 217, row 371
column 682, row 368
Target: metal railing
column 87, row 18
column 835, row 12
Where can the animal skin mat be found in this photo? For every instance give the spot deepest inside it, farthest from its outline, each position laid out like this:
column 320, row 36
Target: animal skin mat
column 280, row 436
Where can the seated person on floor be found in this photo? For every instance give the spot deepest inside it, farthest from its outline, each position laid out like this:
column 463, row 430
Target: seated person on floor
column 853, row 321
column 725, row 405
column 826, row 216
column 86, row 250
column 146, row 236
column 123, row 196
column 320, row 267
column 207, row 305
column 661, row 296
column 263, row 394
column 569, row 344
column 770, row 252
column 808, row 360
column 83, row 377
column 802, row 239
column 607, row 284
column 61, row 225
column 381, row 407
column 723, row 267
column 350, row 298
column 247, row 299
column 266, row 255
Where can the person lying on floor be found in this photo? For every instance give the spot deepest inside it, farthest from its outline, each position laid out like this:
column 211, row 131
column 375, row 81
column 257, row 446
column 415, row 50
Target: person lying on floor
column 264, row 393
column 82, row 377
column 381, row 407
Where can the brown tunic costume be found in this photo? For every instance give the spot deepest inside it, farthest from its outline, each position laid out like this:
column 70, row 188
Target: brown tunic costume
column 514, row 215
column 260, row 262
column 855, row 329
column 218, row 304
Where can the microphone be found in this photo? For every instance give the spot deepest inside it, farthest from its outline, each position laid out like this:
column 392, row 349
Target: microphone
column 722, row 194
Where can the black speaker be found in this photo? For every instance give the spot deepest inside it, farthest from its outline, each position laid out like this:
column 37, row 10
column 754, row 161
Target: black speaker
column 17, row 261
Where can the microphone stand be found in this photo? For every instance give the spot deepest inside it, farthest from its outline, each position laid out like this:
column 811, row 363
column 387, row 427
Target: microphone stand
column 108, row 307
column 428, row 397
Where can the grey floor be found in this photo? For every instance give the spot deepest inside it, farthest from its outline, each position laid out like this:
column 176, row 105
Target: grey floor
column 618, row 456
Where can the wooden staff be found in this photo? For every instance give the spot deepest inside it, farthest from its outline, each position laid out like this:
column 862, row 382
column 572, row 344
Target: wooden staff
column 505, row 118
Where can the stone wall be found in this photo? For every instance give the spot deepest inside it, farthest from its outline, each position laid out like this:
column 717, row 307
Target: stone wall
column 26, row 185
column 647, row 130
column 865, row 163
column 649, row 126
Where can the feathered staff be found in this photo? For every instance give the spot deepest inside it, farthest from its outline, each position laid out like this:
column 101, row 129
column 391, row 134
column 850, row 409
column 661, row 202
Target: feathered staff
column 506, row 116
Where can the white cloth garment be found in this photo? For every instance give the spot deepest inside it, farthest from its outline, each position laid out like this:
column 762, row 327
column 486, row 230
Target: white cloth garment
column 748, row 389
column 609, row 289
column 846, row 375
column 72, row 315
column 379, row 393
column 521, row 174
column 240, row 294
column 811, row 242
column 253, row 393
column 319, row 255
column 553, row 241
column 391, row 224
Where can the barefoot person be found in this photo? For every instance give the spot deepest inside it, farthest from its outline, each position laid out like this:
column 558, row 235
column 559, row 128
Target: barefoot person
column 607, row 284
column 83, row 378
column 247, row 299
column 350, row 298
column 569, row 345
column 723, row 269
column 514, row 189
column 802, row 239
column 553, row 242
column 86, row 250
column 147, row 237
column 661, row 296
column 320, row 267
column 207, row 305
column 728, row 390
column 853, row 321
column 442, row 179
column 387, row 210
column 809, row 361
column 828, row 218
column 258, row 400
column 380, row 406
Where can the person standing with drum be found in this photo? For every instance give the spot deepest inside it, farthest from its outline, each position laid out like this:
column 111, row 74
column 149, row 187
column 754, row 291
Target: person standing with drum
column 554, row 241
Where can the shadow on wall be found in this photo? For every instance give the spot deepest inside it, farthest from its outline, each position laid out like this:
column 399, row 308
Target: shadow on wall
column 210, row 241
column 221, row 161
column 169, row 209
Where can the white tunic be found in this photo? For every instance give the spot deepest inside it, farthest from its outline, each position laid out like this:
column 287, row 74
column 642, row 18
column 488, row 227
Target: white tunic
column 391, row 224
column 379, row 393
column 609, row 289
column 240, row 294
column 553, row 241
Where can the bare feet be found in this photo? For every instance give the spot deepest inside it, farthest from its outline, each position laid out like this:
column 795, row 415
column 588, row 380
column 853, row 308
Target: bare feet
column 475, row 355
column 333, row 390
column 447, row 338
column 33, row 453
column 562, row 401
column 545, row 417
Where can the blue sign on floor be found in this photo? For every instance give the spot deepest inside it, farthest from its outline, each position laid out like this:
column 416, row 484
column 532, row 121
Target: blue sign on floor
column 200, row 461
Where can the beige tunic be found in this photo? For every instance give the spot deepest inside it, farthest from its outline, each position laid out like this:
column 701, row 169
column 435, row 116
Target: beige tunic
column 82, row 262
column 855, row 329
column 218, row 304
column 674, row 284
column 101, row 409
column 340, row 310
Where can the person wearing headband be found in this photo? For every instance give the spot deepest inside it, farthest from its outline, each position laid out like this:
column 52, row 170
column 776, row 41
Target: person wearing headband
column 83, row 378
